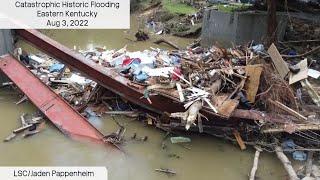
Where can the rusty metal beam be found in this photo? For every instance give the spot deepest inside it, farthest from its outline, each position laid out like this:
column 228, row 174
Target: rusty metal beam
column 67, row 119
column 104, row 76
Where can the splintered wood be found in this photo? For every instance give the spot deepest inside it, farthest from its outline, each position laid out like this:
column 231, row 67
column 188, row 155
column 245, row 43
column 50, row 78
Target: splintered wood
column 227, row 107
column 278, row 62
column 312, row 93
column 239, row 139
column 253, row 74
column 294, row 127
column 287, row 109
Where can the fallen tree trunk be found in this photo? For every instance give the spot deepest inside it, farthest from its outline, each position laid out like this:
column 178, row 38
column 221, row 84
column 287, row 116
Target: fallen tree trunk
column 286, row 163
column 167, row 42
column 255, row 165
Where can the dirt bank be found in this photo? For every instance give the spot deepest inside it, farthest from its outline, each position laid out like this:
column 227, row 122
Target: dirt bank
column 158, row 17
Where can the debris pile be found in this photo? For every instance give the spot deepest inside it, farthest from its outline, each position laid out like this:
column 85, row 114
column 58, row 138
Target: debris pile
column 245, row 94
column 217, row 79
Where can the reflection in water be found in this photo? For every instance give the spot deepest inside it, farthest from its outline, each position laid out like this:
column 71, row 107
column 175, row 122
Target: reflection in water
column 209, row 158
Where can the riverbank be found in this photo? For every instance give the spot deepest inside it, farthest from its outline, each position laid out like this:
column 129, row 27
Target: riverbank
column 170, row 17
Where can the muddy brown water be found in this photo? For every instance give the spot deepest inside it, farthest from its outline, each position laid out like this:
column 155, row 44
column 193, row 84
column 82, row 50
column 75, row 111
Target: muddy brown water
column 209, row 157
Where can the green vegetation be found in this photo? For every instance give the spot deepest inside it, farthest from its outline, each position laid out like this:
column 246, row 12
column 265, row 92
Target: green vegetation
column 178, row 8
column 233, row 7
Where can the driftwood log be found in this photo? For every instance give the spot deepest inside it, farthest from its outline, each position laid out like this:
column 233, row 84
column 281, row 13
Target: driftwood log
column 167, row 42
column 255, row 164
column 286, row 163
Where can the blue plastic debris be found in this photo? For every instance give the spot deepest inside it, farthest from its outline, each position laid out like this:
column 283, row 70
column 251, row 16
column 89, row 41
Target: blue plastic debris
column 135, row 66
column 35, row 59
column 292, row 53
column 141, row 77
column 288, row 144
column 175, row 60
column 299, row 155
column 56, row 67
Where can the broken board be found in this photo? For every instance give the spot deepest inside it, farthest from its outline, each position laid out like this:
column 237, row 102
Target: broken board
column 278, row 62
column 227, row 107
column 253, row 73
column 239, row 139
column 302, row 74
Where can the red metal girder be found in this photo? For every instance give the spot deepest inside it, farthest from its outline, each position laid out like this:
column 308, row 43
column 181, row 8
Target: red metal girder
column 67, row 119
column 104, row 76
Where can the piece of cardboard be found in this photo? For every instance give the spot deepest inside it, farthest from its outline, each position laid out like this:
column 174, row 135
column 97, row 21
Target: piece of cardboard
column 278, row 62
column 227, row 108
column 313, row 73
column 302, row 74
column 253, row 73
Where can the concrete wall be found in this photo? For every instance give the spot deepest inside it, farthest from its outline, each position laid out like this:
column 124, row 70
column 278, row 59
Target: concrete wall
column 237, row 27
column 6, row 45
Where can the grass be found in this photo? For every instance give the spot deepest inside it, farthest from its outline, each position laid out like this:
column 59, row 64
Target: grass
column 233, row 7
column 178, row 8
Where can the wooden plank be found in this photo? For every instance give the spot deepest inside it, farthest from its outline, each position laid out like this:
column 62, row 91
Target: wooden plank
column 277, row 60
column 302, row 74
column 312, row 93
column 298, row 127
column 23, row 121
column 239, row 139
column 287, row 109
column 228, row 106
column 253, row 74
column 22, row 128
